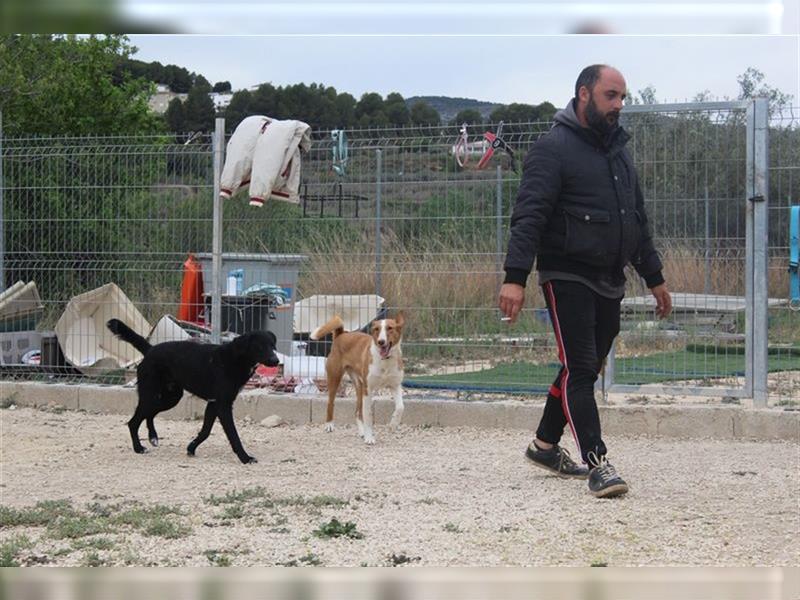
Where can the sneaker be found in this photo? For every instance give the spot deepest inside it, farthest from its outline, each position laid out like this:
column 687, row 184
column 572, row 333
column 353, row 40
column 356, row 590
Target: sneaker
column 557, row 460
column 603, row 479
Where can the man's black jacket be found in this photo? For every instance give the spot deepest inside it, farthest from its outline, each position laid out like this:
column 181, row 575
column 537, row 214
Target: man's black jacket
column 580, row 209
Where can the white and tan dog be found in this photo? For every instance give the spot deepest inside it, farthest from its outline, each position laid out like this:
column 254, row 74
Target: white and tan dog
column 373, row 361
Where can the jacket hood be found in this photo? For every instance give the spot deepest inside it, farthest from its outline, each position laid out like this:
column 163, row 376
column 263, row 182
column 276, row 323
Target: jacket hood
column 616, row 138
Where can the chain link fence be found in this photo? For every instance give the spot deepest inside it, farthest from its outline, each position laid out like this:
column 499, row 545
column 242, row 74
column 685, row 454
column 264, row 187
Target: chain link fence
column 403, row 226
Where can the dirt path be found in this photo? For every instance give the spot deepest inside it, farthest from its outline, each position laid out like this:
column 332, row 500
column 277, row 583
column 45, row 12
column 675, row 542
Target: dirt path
column 423, row 496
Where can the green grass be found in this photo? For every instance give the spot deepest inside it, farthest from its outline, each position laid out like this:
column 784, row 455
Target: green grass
column 97, row 543
column 77, row 526
column 63, row 521
column 217, row 558
column 236, row 497
column 39, row 515
column 708, row 363
column 335, row 528
column 309, row 560
column 11, row 548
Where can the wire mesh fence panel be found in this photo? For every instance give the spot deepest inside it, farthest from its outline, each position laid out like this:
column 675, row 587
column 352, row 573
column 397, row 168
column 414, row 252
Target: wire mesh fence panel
column 395, row 219
column 692, row 171
column 95, row 227
column 784, row 193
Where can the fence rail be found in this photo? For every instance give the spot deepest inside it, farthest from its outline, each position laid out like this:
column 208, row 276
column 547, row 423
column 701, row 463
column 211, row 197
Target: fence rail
column 406, row 225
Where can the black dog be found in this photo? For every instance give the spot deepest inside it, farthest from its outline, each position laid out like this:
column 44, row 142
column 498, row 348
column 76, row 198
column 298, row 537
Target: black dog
column 213, row 372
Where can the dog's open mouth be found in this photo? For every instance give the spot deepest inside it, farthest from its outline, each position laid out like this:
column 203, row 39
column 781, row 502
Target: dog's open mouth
column 385, row 350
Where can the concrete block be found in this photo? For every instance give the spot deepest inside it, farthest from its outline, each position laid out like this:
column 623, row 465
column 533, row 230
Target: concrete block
column 519, row 416
column 694, row 421
column 38, row 395
column 98, row 399
column 628, row 420
column 467, row 414
column 344, row 410
column 420, row 412
column 767, row 424
column 258, row 404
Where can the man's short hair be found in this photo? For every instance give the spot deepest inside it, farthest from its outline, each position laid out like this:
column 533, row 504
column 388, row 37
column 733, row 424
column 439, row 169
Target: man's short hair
column 588, row 77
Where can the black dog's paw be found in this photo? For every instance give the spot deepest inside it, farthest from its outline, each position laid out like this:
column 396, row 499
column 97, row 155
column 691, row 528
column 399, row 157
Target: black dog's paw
column 140, row 450
column 248, row 460
column 190, row 450
column 154, row 441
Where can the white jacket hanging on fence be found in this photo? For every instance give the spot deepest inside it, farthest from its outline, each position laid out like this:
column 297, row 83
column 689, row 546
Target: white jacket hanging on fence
column 265, row 153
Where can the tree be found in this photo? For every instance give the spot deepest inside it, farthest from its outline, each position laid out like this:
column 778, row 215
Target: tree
column 396, row 110
column 515, row 113
column 177, row 78
column 264, row 100
column 546, row 111
column 175, row 116
column 199, row 80
column 470, row 116
column 238, row 109
column 645, row 96
column 345, row 110
column 67, row 85
column 199, row 110
column 370, row 111
column 423, row 113
column 749, row 83
column 222, row 87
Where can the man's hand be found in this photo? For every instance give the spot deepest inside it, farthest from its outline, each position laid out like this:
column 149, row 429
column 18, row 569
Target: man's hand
column 663, row 300
column 512, row 297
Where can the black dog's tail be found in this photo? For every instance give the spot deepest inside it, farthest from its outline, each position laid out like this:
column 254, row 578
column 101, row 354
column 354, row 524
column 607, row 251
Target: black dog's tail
column 127, row 334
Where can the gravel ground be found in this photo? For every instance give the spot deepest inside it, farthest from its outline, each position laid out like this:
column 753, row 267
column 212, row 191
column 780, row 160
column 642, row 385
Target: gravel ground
column 421, row 496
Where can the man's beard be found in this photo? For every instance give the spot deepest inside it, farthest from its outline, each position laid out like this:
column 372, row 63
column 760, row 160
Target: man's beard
column 601, row 123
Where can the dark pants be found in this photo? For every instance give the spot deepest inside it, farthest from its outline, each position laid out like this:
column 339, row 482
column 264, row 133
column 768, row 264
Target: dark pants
column 585, row 324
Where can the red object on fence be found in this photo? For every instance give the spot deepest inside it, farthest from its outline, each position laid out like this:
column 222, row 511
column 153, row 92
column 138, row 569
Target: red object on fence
column 192, row 290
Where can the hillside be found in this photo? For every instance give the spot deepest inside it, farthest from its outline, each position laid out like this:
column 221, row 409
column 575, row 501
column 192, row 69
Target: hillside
column 448, row 107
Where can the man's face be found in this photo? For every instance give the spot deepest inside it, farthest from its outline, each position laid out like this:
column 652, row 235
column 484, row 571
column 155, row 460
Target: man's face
column 605, row 101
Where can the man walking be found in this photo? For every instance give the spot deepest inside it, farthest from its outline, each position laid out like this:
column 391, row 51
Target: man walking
column 580, row 213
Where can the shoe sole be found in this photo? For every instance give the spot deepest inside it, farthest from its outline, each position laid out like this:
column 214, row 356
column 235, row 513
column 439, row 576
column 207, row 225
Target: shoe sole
column 554, row 471
column 612, row 491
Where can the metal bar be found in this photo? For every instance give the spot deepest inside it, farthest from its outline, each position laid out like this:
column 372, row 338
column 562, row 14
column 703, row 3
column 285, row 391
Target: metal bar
column 760, row 243
column 499, row 226
column 667, row 390
column 685, row 106
column 218, row 148
column 378, row 175
column 707, row 245
column 2, row 216
column 749, row 247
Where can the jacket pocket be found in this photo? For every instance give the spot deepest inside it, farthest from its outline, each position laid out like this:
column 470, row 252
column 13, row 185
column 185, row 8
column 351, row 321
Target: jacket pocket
column 589, row 236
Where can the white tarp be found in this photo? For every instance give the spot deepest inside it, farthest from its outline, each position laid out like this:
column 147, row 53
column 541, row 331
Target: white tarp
column 355, row 310
column 19, row 300
column 84, row 338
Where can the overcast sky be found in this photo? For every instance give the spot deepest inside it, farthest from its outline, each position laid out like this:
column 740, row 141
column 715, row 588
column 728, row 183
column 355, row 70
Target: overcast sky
column 528, row 69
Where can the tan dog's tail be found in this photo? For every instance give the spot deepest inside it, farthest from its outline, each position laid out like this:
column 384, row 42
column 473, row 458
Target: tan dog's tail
column 334, row 326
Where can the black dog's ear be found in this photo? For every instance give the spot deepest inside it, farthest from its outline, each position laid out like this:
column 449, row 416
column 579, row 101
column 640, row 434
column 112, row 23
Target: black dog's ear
column 272, row 337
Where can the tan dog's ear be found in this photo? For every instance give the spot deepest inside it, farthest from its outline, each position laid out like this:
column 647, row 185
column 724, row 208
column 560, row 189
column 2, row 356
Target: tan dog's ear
column 400, row 319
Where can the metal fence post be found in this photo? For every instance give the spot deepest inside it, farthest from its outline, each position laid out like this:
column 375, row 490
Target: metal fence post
column 756, row 292
column 760, row 202
column 499, row 227
column 378, row 249
column 2, row 216
column 217, row 148
column 748, row 252
column 707, row 284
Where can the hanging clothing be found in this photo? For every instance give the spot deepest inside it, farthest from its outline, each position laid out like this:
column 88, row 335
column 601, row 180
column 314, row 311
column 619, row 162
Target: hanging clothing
column 266, row 154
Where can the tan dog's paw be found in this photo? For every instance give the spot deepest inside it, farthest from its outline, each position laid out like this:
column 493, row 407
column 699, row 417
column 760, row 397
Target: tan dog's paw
column 329, row 427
